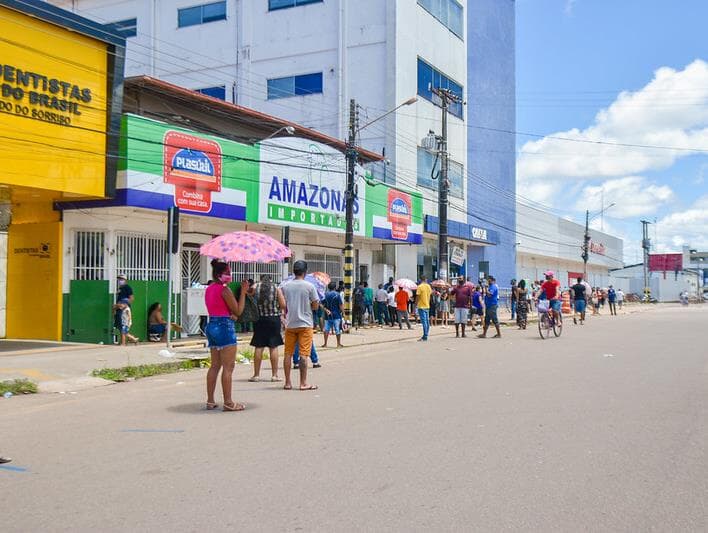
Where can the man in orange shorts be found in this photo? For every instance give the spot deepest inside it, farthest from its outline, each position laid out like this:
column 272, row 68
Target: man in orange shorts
column 301, row 300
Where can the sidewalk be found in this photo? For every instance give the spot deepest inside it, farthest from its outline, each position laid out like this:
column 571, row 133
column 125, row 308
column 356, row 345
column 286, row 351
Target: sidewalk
column 58, row 367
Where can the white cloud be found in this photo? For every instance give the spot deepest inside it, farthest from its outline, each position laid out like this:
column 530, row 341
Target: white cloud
column 687, row 227
column 670, row 111
column 633, row 196
column 569, row 5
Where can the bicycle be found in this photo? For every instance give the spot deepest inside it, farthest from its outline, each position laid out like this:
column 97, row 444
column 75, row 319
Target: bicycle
column 547, row 321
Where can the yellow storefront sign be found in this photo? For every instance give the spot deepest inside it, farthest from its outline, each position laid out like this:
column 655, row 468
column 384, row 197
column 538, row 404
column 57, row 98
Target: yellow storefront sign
column 53, row 106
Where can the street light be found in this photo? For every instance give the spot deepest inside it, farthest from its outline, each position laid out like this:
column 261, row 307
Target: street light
column 352, row 155
column 290, row 130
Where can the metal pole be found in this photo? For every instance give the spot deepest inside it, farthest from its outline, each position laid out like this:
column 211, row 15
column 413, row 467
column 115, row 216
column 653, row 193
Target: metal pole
column 586, row 245
column 349, row 196
column 172, row 248
column 443, row 186
column 645, row 247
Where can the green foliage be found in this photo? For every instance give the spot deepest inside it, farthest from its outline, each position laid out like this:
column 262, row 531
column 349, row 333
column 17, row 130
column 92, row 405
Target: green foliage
column 18, row 386
column 143, row 371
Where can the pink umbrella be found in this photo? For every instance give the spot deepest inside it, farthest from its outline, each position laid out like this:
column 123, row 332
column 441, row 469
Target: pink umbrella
column 406, row 284
column 322, row 276
column 245, row 247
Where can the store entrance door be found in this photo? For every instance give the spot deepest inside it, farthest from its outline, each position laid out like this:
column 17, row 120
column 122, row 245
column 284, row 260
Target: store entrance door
column 191, row 273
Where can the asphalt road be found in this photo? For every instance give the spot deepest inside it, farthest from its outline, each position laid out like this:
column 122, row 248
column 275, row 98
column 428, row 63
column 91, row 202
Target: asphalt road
column 604, row 429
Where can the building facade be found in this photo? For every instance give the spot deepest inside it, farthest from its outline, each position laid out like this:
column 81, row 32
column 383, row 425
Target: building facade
column 60, row 98
column 304, row 60
column 547, row 242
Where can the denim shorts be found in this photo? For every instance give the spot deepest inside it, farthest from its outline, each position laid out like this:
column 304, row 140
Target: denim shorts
column 579, row 306
column 556, row 305
column 333, row 325
column 221, row 332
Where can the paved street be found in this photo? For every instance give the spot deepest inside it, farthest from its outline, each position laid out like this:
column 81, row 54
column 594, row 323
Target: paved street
column 604, row 429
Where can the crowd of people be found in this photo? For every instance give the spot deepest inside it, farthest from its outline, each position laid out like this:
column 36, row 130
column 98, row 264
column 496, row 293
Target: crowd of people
column 290, row 315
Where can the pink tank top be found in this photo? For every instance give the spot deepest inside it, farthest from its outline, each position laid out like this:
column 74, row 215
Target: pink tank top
column 215, row 304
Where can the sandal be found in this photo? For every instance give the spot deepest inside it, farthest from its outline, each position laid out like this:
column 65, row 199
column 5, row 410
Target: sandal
column 234, row 407
column 211, row 406
column 254, row 379
column 274, row 379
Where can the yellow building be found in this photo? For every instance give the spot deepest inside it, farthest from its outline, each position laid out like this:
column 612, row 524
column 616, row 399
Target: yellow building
column 60, row 98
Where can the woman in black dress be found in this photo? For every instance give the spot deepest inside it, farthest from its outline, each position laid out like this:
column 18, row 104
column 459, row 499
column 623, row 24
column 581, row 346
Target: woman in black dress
column 522, row 304
column 266, row 330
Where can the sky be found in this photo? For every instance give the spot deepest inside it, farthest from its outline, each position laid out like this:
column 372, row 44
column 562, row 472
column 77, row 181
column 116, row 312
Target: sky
column 614, row 97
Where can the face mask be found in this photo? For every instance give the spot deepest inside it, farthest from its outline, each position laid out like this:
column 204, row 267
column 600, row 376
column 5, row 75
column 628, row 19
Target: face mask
column 225, row 278
column 121, row 282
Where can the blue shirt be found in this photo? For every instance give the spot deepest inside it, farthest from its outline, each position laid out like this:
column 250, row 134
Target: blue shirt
column 492, row 296
column 477, row 300
column 332, row 301
column 611, row 295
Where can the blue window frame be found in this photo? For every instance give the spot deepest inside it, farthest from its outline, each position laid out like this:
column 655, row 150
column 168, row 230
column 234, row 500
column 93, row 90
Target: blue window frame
column 191, row 16
column 430, row 78
column 215, row 92
column 295, row 86
column 284, row 4
column 455, row 173
column 127, row 27
column 450, row 13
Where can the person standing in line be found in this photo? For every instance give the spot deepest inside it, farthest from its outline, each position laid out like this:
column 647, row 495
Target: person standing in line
column 381, row 306
column 266, row 330
column 388, row 285
column 612, row 300
column 402, row 307
column 434, row 307
column 620, row 298
column 444, row 308
column 333, row 309
column 462, row 294
column 491, row 302
column 522, row 306
column 423, row 295
column 392, row 306
column 369, row 304
column 358, row 306
column 596, row 301
column 313, row 357
column 513, row 298
column 223, row 311
column 301, row 300
column 477, row 309
column 578, row 293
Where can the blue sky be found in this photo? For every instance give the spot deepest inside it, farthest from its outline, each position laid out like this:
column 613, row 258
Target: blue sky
column 633, row 72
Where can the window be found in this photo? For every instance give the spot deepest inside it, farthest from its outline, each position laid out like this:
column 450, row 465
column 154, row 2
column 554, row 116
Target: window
column 191, row 16
column 295, row 86
column 449, row 12
column 430, row 78
column 142, row 257
column 455, row 173
column 127, row 27
column 283, row 4
column 215, row 92
column 328, row 263
column 89, row 255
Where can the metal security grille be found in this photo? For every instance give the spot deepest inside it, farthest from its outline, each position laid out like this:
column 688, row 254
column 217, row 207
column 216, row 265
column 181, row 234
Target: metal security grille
column 191, row 268
column 89, row 255
column 254, row 271
column 328, row 263
column 142, row 257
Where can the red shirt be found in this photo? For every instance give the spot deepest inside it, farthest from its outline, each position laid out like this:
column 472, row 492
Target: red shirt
column 402, row 301
column 552, row 289
column 463, row 296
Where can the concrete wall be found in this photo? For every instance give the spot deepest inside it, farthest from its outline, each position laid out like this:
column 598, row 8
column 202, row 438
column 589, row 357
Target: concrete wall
column 491, row 86
column 3, row 282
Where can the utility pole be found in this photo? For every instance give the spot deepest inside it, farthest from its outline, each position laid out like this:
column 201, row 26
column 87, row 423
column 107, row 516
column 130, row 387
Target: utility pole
column 586, row 246
column 646, row 244
column 446, row 97
column 350, row 195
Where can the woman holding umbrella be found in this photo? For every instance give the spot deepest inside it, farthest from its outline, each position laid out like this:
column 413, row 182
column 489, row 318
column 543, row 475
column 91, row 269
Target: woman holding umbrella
column 223, row 311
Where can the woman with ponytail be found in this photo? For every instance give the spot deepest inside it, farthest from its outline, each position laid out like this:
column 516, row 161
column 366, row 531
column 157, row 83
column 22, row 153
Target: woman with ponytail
column 223, row 311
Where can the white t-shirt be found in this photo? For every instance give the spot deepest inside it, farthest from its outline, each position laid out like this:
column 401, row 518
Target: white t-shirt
column 299, row 296
column 620, row 295
column 392, row 299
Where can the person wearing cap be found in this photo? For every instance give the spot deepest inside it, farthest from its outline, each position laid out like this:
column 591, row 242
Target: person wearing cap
column 124, row 290
column 552, row 289
column 301, row 300
column 612, row 300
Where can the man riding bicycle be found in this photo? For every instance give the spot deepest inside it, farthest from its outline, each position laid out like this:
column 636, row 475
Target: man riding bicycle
column 551, row 288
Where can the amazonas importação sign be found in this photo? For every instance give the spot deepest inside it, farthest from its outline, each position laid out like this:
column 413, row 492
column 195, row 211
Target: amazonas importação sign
column 54, row 97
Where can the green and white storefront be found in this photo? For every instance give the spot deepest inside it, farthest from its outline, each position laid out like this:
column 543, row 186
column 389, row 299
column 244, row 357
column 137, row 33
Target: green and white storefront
column 220, row 185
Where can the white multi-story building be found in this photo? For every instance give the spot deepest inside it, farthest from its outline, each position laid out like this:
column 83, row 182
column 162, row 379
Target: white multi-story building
column 304, row 60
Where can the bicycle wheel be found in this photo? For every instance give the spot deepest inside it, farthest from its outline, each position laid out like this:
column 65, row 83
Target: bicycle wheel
column 558, row 326
column 544, row 326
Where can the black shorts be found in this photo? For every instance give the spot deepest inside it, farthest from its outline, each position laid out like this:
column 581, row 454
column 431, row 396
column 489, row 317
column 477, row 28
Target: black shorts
column 491, row 316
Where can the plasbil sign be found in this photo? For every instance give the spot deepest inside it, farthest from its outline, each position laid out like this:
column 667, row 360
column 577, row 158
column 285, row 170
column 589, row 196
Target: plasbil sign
column 193, row 165
column 400, row 209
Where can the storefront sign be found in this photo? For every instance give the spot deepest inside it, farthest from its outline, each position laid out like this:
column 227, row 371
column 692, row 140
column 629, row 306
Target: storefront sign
column 457, row 255
column 42, row 251
column 399, row 213
column 303, row 185
column 479, row 233
column 56, row 97
column 665, row 262
column 193, row 165
column 597, row 248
